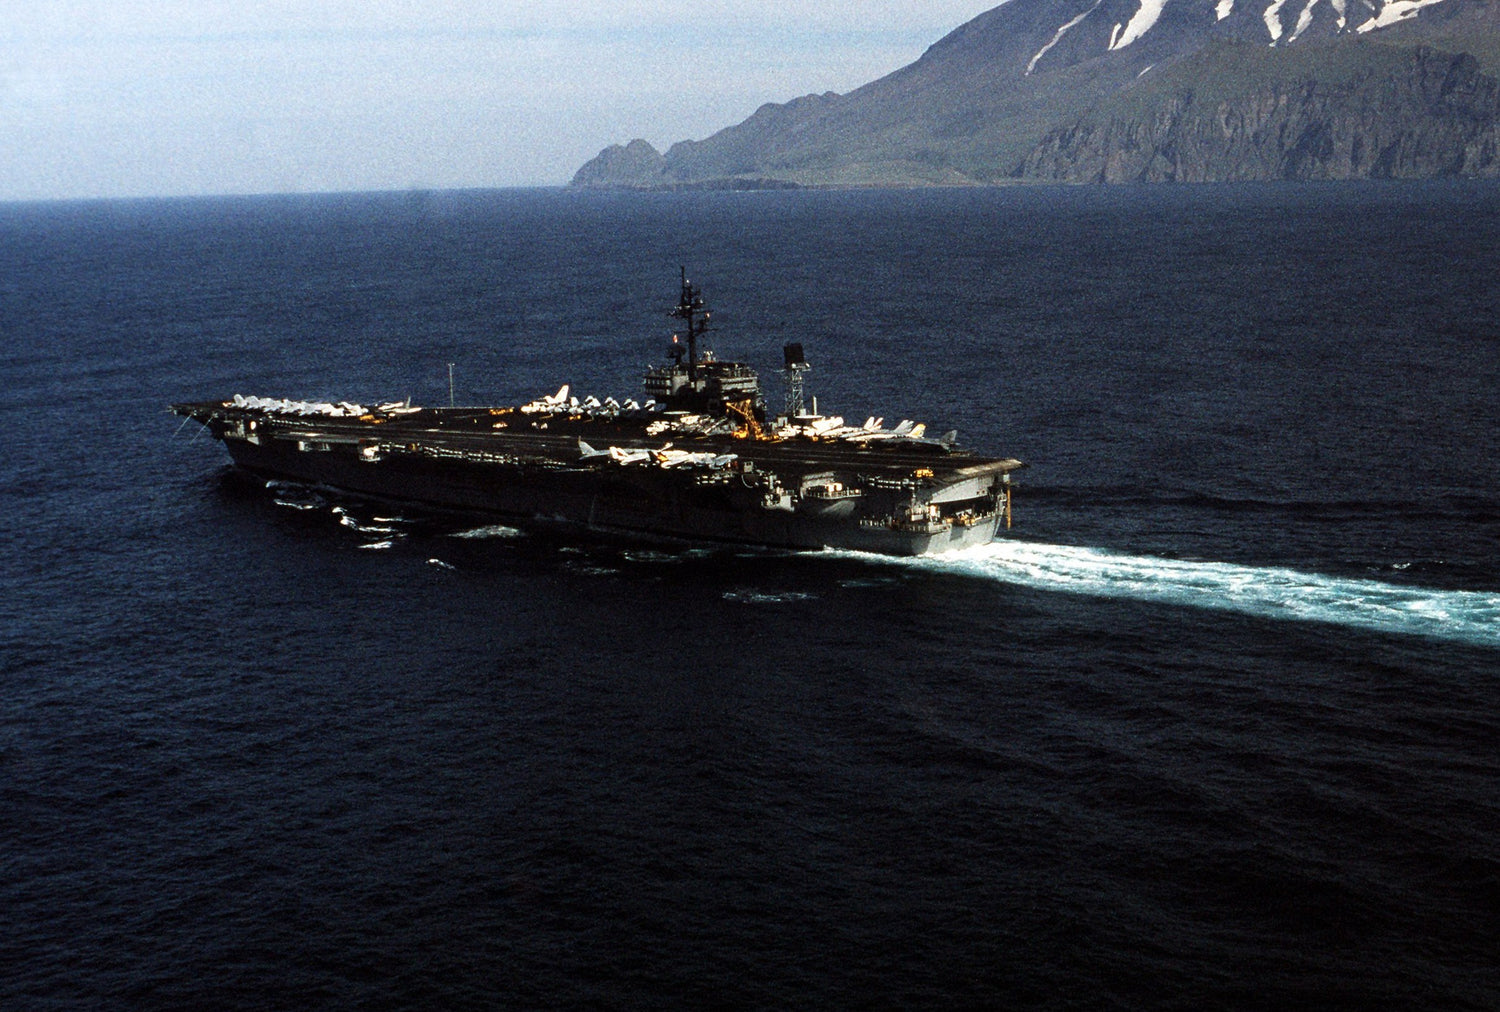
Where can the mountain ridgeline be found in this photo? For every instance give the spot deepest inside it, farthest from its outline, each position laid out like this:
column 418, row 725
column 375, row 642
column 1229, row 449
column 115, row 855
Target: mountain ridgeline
column 1116, row 91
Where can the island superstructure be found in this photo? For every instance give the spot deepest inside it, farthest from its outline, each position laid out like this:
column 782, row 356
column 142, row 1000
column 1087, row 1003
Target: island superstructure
column 699, row 459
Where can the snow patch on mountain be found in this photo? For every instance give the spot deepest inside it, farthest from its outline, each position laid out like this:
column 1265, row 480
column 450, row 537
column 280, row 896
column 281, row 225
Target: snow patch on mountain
column 1394, row 11
column 1304, row 20
column 1272, row 18
column 1058, row 37
column 1145, row 19
column 1281, row 25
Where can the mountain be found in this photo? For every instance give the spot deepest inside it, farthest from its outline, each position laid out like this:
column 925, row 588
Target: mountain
column 1133, row 90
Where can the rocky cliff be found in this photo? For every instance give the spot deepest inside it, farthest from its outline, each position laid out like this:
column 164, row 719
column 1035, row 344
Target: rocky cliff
column 1133, row 90
column 1415, row 114
column 623, row 165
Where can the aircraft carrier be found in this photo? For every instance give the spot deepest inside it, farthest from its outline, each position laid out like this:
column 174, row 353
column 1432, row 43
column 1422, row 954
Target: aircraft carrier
column 700, row 459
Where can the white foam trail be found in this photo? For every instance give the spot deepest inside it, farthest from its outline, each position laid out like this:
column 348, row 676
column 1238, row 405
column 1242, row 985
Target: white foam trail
column 349, row 521
column 645, row 555
column 1468, row 616
column 759, row 597
column 490, row 531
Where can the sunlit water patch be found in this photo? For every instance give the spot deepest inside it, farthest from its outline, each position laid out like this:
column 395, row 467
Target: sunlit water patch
column 765, row 597
column 296, row 504
column 647, row 556
column 1268, row 592
column 347, row 521
column 489, row 531
column 291, row 495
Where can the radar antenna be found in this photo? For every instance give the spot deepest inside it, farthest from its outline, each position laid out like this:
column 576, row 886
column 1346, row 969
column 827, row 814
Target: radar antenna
column 795, row 369
column 694, row 312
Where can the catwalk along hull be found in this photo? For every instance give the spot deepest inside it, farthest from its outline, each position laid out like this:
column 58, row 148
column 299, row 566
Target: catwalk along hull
column 789, row 493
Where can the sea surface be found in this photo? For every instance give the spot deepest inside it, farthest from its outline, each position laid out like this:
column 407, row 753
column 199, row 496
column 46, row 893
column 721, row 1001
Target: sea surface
column 1217, row 726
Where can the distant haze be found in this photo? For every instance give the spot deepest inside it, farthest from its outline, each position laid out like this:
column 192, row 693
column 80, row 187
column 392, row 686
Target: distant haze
column 107, row 98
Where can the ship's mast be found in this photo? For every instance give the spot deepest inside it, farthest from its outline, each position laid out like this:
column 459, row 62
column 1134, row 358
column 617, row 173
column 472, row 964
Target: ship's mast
column 691, row 309
column 796, row 368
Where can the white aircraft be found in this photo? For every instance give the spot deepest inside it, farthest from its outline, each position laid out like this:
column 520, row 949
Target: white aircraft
column 947, row 439
column 666, row 457
column 548, row 403
column 615, row 454
column 869, row 432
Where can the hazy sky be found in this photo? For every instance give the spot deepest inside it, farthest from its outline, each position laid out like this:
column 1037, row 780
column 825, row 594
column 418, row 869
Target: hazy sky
column 158, row 97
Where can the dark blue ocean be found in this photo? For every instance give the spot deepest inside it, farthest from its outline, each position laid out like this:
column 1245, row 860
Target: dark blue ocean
column 1218, row 726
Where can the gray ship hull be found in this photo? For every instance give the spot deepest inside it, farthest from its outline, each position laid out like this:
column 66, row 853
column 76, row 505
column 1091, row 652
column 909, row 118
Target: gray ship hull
column 762, row 497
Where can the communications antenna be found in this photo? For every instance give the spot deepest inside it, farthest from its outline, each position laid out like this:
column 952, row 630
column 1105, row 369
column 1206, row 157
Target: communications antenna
column 795, row 370
column 691, row 310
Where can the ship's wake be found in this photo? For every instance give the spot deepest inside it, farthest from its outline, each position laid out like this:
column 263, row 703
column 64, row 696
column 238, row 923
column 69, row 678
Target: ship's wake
column 1268, row 592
